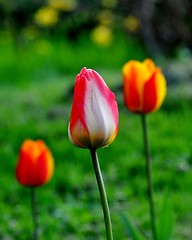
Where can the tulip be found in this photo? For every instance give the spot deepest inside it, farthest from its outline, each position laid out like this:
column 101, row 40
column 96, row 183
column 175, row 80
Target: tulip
column 94, row 115
column 35, row 164
column 94, row 124
column 144, row 86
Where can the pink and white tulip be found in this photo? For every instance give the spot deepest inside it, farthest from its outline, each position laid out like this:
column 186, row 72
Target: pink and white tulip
column 94, row 116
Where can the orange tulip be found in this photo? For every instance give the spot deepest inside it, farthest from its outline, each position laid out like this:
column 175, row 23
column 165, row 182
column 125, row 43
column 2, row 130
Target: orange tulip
column 144, row 86
column 35, row 164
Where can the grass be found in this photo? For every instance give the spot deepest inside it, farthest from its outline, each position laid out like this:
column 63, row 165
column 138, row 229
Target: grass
column 69, row 206
column 42, row 58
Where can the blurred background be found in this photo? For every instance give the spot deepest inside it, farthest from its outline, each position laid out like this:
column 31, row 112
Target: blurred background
column 107, row 33
column 43, row 46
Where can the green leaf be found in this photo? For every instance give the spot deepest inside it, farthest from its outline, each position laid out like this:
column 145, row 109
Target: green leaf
column 165, row 221
column 130, row 229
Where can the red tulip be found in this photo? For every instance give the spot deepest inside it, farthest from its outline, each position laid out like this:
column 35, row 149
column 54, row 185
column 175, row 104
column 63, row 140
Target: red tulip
column 144, row 86
column 35, row 164
column 94, row 115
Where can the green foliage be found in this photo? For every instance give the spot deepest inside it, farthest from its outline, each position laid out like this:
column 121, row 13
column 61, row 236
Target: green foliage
column 164, row 224
column 131, row 230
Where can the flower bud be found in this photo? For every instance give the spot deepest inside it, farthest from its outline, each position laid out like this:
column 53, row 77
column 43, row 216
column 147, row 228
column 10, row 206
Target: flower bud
column 94, row 115
column 144, row 86
column 35, row 165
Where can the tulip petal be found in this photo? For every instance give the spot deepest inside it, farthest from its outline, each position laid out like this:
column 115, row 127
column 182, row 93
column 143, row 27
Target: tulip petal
column 149, row 65
column 162, row 89
column 154, row 92
column 149, row 95
column 99, row 117
column 78, row 131
column 130, row 89
column 44, row 166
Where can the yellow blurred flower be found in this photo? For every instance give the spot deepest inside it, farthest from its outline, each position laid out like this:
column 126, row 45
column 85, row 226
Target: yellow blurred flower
column 46, row 16
column 131, row 23
column 109, row 3
column 102, row 35
column 105, row 17
column 64, row 5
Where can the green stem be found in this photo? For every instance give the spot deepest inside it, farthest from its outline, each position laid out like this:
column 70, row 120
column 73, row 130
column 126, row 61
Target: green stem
column 149, row 175
column 34, row 213
column 103, row 196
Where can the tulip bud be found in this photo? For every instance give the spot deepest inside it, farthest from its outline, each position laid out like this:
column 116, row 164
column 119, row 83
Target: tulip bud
column 35, row 164
column 94, row 115
column 144, row 86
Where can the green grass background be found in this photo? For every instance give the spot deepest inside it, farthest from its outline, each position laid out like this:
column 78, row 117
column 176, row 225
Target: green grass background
column 35, row 101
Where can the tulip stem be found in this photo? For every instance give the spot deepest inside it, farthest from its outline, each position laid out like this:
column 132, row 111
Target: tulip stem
column 103, row 195
column 34, row 213
column 149, row 175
